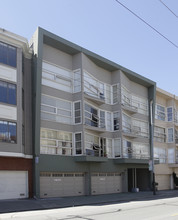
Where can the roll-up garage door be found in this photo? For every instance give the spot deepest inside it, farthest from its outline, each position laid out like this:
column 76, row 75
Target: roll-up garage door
column 163, row 181
column 61, row 184
column 13, row 184
column 105, row 183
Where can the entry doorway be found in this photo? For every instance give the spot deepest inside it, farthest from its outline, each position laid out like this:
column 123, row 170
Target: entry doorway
column 138, row 178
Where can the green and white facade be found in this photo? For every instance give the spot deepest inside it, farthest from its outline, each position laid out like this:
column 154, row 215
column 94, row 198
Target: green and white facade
column 91, row 122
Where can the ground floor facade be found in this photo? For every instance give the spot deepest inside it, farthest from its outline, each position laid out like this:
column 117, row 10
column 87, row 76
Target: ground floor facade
column 16, row 180
column 60, row 176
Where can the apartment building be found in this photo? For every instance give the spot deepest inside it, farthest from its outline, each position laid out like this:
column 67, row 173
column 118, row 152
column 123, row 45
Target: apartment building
column 92, row 122
column 15, row 117
column 166, row 138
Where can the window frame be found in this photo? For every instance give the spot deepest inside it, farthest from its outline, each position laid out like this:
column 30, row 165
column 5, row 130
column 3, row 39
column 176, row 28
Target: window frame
column 8, row 93
column 8, row 131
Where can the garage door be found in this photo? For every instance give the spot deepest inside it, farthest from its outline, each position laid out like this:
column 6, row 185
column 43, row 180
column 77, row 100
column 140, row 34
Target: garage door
column 61, row 184
column 13, row 184
column 163, row 182
column 105, row 183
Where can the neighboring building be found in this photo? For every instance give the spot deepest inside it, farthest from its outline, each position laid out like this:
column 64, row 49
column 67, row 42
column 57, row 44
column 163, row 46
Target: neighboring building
column 92, row 122
column 15, row 117
column 166, row 138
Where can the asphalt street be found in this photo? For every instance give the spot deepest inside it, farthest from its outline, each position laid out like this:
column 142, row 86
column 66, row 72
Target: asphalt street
column 163, row 209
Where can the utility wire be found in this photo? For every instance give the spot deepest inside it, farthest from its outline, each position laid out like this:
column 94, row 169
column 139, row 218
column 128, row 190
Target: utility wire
column 168, row 8
column 147, row 24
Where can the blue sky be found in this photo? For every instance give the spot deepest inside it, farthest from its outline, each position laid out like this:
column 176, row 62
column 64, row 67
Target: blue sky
column 108, row 29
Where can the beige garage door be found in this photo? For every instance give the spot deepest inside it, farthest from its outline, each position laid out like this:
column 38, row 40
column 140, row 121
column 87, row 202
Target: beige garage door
column 105, row 183
column 163, row 181
column 61, row 184
column 13, row 184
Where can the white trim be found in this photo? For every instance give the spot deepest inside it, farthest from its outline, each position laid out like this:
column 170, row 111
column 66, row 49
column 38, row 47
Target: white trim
column 10, row 154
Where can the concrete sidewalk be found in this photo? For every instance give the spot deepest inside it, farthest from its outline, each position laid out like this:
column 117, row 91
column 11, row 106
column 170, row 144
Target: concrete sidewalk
column 52, row 203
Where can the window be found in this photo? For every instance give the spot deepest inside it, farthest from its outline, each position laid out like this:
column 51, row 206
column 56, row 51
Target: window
column 91, row 116
column 59, row 78
column 170, row 132
column 92, row 145
column 127, row 149
column 141, row 104
column 108, row 94
column 176, row 116
column 7, row 93
column 93, row 87
column 159, row 134
column 140, row 128
column 126, row 97
column 160, row 112
column 54, row 109
column 109, row 121
column 115, row 89
column 116, row 121
column 171, row 155
column 160, row 154
column 169, row 113
column 8, row 132
column 102, row 119
column 55, row 142
column 141, row 150
column 77, row 112
column 77, row 81
column 23, row 135
column 117, row 147
column 109, row 147
column 78, row 143
column 8, row 54
column 126, row 123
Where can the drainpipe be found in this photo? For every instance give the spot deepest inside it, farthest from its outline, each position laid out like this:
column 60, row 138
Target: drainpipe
column 152, row 149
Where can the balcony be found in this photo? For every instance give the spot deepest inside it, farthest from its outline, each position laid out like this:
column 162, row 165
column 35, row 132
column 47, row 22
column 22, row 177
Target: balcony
column 95, row 154
column 95, row 124
column 132, row 158
column 127, row 106
column 99, row 99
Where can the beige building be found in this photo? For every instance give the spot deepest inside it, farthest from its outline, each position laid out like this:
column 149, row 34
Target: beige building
column 166, row 138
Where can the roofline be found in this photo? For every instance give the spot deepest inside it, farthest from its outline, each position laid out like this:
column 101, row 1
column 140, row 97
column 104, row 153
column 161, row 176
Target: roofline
column 71, row 48
column 17, row 41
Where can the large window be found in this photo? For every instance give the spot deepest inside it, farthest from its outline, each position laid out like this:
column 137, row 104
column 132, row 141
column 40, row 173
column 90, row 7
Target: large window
column 55, row 142
column 141, row 104
column 8, row 132
column 170, row 132
column 92, row 145
column 8, row 54
column 141, row 150
column 140, row 128
column 160, row 154
column 169, row 113
column 54, row 109
column 93, row 87
column 159, row 134
column 160, row 112
column 60, row 78
column 7, row 93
